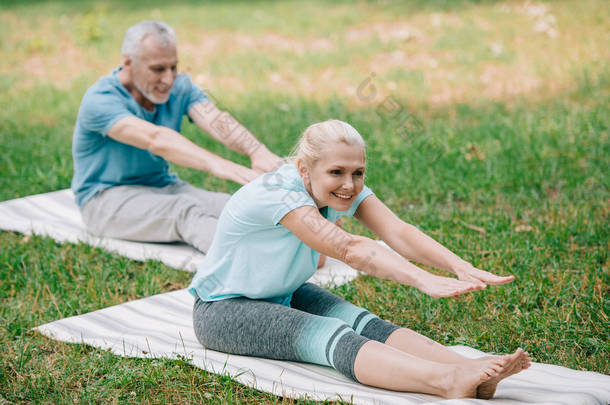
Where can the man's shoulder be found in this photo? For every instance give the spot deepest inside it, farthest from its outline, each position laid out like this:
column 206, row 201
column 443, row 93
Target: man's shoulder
column 105, row 85
column 183, row 79
column 183, row 84
column 102, row 103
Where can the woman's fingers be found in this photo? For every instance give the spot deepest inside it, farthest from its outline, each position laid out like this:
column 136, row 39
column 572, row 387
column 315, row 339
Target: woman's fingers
column 474, row 287
column 490, row 278
column 478, row 275
column 502, row 280
column 453, row 288
column 439, row 286
column 476, row 281
column 472, row 279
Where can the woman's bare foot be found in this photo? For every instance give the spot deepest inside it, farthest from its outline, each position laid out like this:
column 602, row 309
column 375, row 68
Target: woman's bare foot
column 469, row 376
column 513, row 364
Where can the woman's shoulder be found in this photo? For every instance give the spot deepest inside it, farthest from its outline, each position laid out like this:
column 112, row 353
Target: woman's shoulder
column 269, row 197
column 284, row 183
column 285, row 178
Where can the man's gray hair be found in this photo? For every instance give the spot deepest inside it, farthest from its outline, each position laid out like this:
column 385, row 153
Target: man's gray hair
column 136, row 33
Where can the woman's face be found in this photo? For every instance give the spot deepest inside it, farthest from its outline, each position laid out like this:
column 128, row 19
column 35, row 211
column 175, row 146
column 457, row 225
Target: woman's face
column 337, row 178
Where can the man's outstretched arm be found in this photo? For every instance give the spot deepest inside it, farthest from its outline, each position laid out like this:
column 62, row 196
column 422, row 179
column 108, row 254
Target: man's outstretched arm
column 226, row 129
column 176, row 148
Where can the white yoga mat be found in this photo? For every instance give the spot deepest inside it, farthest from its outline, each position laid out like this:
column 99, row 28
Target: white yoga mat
column 56, row 215
column 161, row 326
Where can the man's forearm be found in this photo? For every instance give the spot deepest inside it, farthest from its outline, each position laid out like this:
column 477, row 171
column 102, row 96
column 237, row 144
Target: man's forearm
column 178, row 149
column 238, row 139
column 225, row 128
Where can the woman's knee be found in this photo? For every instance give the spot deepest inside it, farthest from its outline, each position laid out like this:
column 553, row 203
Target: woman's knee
column 316, row 300
column 344, row 356
column 378, row 329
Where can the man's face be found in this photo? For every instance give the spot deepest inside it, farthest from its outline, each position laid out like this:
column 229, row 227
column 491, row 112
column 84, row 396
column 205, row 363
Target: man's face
column 154, row 70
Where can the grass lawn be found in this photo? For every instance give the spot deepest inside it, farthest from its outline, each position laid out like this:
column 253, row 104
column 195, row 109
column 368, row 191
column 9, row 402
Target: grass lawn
column 487, row 126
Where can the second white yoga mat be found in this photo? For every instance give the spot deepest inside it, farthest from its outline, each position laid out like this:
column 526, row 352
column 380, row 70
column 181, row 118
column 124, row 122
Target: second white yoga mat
column 161, row 326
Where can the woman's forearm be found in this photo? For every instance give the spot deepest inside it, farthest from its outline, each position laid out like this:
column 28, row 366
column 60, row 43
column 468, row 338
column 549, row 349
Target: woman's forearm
column 417, row 246
column 369, row 256
column 366, row 255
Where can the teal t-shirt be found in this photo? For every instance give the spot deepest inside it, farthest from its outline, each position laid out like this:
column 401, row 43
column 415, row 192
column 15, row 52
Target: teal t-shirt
column 101, row 162
column 252, row 254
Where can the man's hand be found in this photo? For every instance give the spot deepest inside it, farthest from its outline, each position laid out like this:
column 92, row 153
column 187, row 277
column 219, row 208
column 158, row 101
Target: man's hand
column 264, row 161
column 439, row 286
column 227, row 130
column 467, row 272
column 245, row 176
column 233, row 171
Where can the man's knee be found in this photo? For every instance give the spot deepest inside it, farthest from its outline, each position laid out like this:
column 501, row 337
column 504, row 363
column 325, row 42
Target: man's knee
column 195, row 224
column 216, row 202
column 212, row 201
column 189, row 207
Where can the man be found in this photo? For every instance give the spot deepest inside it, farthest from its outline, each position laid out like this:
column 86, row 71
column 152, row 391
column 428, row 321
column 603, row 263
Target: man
column 128, row 128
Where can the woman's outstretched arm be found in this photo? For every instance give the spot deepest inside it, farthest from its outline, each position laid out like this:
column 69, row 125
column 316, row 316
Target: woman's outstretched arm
column 415, row 245
column 367, row 255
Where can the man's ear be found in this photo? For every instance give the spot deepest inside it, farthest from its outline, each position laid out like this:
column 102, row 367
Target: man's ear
column 127, row 60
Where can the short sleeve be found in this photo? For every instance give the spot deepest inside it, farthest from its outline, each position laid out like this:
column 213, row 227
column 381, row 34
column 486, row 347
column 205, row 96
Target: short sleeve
column 195, row 94
column 289, row 200
column 278, row 202
column 265, row 201
column 100, row 111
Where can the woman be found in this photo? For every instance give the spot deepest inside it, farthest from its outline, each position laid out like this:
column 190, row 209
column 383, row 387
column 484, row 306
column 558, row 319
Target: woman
column 251, row 292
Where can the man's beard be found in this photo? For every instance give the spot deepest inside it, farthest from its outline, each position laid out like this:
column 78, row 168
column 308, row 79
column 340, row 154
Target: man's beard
column 148, row 95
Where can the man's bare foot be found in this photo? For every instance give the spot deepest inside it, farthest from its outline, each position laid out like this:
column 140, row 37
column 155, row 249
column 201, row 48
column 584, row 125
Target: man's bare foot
column 513, row 364
column 469, row 376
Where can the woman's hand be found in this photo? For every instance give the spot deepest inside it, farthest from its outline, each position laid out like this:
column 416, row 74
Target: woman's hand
column 467, row 272
column 438, row 286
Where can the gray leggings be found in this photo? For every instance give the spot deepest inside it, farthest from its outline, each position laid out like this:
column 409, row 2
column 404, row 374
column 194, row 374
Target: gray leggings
column 318, row 327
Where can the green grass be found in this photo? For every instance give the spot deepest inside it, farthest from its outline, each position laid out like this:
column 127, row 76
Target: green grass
column 529, row 167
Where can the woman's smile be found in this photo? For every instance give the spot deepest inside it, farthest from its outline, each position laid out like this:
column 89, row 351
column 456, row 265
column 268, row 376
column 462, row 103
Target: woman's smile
column 342, row 196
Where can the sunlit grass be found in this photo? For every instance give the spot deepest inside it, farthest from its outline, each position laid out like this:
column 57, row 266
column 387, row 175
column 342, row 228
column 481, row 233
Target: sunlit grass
column 465, row 54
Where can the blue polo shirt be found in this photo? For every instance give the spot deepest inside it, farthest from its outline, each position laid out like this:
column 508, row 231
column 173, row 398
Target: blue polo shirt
column 255, row 256
column 100, row 162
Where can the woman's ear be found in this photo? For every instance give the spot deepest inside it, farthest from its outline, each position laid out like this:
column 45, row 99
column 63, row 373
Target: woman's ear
column 303, row 172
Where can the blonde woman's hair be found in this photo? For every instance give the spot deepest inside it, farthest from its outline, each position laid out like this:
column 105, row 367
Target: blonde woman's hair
column 317, row 138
